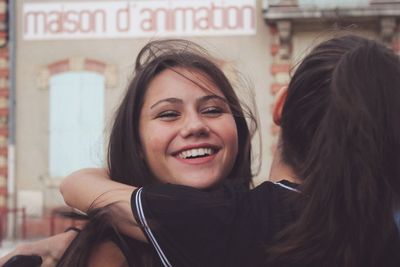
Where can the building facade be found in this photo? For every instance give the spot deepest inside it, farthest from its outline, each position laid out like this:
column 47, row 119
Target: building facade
column 297, row 25
column 72, row 60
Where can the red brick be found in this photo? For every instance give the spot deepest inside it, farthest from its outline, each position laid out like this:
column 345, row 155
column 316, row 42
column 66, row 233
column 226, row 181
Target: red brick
column 4, row 52
column 3, row 112
column 62, row 223
column 4, row 73
column 275, row 87
column 396, row 46
column 273, row 30
column 38, row 227
column 95, row 65
column 3, row 131
column 3, row 151
column 274, row 49
column 59, row 66
column 3, row 191
column 279, row 68
column 41, row 227
column 4, row 92
column 3, row 171
column 3, row 210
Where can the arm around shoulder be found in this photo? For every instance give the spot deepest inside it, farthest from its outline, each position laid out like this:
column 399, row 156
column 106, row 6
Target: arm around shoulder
column 85, row 188
column 92, row 188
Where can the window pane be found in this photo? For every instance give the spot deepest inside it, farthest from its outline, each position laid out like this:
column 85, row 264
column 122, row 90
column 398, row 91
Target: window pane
column 76, row 122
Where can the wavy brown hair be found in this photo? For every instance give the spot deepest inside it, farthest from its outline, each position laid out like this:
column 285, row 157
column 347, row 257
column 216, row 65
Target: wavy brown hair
column 125, row 163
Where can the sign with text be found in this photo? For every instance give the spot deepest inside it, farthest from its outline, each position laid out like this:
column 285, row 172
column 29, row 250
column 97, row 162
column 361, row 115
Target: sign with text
column 132, row 19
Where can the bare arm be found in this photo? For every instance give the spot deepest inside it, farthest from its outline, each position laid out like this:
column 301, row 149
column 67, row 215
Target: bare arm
column 92, row 188
column 50, row 249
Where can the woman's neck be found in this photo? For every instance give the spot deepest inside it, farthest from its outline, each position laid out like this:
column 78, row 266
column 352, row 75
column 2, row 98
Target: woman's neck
column 280, row 170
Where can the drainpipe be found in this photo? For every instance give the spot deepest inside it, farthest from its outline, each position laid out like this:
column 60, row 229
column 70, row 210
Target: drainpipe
column 11, row 183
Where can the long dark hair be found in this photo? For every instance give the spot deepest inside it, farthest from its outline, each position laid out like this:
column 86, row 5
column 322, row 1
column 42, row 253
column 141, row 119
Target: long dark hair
column 124, row 158
column 341, row 134
column 125, row 163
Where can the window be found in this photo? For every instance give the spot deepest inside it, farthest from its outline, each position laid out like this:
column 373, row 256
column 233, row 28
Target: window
column 76, row 122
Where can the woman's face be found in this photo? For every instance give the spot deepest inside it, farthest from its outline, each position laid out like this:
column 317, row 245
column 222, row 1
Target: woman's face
column 188, row 134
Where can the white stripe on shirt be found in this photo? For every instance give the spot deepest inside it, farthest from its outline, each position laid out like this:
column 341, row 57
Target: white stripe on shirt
column 287, row 187
column 143, row 222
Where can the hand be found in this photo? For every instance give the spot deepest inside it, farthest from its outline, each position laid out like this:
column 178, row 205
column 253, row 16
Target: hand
column 50, row 249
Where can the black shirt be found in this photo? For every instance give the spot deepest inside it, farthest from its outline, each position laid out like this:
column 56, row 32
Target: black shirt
column 229, row 226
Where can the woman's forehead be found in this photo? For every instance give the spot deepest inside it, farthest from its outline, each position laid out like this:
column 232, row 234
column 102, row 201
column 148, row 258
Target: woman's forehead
column 182, row 81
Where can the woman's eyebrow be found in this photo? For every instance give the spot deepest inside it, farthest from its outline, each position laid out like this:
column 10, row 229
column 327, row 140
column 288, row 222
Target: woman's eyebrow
column 211, row 97
column 172, row 100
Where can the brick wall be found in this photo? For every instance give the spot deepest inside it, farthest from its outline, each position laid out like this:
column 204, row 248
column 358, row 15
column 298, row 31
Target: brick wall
column 396, row 39
column 281, row 50
column 4, row 92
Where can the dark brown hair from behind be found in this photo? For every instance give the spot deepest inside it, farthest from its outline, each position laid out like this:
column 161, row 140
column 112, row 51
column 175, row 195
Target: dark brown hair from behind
column 341, row 135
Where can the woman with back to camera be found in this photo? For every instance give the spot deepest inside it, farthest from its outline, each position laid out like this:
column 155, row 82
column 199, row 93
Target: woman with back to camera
column 178, row 100
column 340, row 139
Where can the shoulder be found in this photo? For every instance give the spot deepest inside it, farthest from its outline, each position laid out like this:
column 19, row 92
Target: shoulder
column 274, row 205
column 171, row 194
column 273, row 190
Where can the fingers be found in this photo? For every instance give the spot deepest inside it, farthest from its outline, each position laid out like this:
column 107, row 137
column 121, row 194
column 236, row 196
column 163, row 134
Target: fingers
column 49, row 249
column 28, row 249
column 49, row 262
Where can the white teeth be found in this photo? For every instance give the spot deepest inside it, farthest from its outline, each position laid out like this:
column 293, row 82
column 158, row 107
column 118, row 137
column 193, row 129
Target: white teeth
column 196, row 152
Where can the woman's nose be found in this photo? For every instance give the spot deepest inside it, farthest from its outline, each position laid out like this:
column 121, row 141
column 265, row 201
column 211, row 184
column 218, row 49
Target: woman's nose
column 194, row 126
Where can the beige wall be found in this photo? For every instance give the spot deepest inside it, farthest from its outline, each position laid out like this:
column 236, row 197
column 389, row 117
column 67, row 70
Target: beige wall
column 249, row 54
column 307, row 35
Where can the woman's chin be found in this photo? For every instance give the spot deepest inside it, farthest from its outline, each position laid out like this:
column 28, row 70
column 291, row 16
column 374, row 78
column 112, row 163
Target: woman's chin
column 200, row 181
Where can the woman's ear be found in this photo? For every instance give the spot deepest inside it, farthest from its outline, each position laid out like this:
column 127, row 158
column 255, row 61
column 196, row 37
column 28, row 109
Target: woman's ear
column 280, row 99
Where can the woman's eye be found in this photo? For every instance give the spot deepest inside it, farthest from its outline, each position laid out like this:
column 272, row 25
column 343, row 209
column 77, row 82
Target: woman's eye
column 168, row 115
column 212, row 111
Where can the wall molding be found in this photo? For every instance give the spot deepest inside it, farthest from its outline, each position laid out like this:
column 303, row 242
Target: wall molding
column 109, row 71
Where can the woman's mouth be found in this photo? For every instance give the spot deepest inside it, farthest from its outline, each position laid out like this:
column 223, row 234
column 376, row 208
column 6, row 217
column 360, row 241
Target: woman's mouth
column 196, row 153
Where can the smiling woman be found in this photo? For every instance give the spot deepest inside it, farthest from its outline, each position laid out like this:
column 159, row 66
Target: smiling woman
column 345, row 94
column 180, row 122
column 199, row 140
